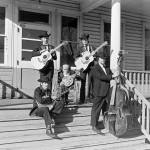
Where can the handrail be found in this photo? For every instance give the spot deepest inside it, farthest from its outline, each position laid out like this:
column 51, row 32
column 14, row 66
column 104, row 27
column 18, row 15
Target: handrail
column 142, row 108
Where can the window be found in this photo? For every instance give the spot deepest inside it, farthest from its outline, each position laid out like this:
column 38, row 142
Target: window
column 107, row 37
column 107, row 32
column 69, row 32
column 147, row 49
column 32, row 25
column 33, row 17
column 2, row 34
column 30, row 41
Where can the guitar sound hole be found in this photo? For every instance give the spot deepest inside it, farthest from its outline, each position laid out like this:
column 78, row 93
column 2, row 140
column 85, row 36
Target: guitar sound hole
column 44, row 56
column 86, row 58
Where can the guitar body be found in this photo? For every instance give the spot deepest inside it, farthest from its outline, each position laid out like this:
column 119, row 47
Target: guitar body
column 81, row 62
column 39, row 62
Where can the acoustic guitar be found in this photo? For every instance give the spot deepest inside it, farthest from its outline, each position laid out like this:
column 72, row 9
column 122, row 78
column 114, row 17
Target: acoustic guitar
column 39, row 62
column 84, row 61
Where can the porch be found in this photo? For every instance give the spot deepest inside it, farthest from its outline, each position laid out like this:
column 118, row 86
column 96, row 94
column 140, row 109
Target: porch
column 19, row 131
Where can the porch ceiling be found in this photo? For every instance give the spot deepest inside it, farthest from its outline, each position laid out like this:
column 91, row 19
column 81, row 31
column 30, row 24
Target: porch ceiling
column 141, row 7
column 133, row 6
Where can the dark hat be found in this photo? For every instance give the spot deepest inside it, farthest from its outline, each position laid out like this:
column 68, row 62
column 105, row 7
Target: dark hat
column 43, row 79
column 100, row 55
column 45, row 34
column 84, row 37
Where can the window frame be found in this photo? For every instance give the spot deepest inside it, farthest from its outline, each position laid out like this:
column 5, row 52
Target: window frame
column 145, row 26
column 23, row 63
column 6, row 36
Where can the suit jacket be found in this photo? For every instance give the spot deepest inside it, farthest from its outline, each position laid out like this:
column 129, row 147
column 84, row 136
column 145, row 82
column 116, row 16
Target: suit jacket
column 101, row 81
column 50, row 64
column 42, row 97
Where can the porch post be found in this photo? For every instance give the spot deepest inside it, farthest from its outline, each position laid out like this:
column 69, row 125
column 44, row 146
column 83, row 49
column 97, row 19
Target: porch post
column 115, row 33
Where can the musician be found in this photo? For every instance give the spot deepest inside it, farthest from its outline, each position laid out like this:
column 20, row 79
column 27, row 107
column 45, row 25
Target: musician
column 79, row 53
column 64, row 73
column 48, row 70
column 101, row 83
column 43, row 105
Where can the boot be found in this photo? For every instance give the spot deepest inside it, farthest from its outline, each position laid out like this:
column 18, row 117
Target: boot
column 49, row 131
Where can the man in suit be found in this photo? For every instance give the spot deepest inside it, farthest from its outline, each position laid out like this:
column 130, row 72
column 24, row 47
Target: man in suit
column 79, row 53
column 44, row 106
column 101, row 84
column 48, row 70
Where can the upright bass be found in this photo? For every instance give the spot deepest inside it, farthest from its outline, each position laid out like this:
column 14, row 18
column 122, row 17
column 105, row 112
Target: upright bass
column 118, row 119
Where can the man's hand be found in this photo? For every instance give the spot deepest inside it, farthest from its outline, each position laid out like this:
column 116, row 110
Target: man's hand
column 42, row 51
column 115, row 74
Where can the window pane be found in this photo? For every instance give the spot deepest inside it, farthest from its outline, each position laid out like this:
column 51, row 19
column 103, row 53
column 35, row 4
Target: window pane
column 147, row 39
column 2, row 20
column 106, row 49
column 34, row 17
column 30, row 45
column 147, row 60
column 31, row 33
column 1, row 50
column 69, row 33
column 69, row 29
column 26, row 56
column 107, row 28
column 147, row 51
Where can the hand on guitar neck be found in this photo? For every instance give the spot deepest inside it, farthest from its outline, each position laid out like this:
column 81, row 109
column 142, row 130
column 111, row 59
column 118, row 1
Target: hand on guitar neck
column 87, row 58
column 42, row 51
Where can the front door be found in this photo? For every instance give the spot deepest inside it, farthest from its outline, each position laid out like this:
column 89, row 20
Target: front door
column 31, row 25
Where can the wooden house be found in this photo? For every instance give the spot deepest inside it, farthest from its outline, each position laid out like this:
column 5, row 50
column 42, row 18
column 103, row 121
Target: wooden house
column 22, row 21
column 124, row 24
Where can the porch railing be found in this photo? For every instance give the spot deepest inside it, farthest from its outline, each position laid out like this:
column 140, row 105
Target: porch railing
column 140, row 108
column 140, row 79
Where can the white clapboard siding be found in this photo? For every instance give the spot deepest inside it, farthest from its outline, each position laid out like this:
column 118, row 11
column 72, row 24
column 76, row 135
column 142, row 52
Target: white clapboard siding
column 92, row 26
column 64, row 4
column 133, row 35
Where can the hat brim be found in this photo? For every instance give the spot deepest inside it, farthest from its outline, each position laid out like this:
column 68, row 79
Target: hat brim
column 40, row 36
column 101, row 57
column 39, row 80
column 83, row 38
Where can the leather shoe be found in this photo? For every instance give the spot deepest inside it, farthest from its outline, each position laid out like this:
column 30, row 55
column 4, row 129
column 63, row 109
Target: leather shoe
column 97, row 131
column 49, row 132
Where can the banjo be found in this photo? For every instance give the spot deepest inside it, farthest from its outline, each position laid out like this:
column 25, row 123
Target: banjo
column 69, row 80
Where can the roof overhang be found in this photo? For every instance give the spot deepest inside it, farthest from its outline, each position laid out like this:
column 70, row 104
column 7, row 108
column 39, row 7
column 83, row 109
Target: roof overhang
column 88, row 5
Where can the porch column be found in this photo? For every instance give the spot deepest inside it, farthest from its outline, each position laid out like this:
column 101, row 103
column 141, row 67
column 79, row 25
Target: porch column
column 115, row 33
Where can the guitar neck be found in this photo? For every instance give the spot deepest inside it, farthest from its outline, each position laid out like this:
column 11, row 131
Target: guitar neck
column 57, row 47
column 105, row 43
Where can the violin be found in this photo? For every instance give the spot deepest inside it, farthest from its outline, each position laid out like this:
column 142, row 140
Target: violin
column 118, row 118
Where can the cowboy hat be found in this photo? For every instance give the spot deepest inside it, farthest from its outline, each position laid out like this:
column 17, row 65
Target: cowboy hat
column 100, row 55
column 45, row 34
column 44, row 79
column 84, row 37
